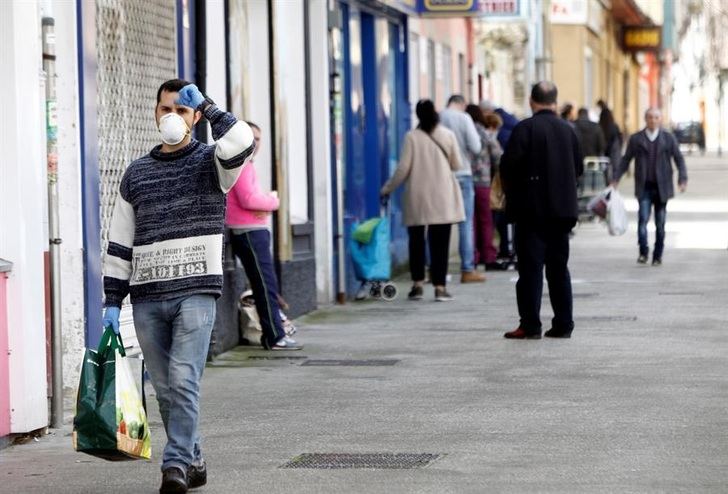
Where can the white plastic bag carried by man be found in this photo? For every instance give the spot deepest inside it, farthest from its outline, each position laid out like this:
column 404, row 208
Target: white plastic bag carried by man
column 609, row 205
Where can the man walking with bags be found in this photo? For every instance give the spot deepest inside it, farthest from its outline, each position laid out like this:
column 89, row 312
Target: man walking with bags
column 653, row 149
column 539, row 170
column 165, row 249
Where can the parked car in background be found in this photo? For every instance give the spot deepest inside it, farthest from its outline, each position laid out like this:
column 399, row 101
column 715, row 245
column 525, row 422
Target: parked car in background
column 690, row 134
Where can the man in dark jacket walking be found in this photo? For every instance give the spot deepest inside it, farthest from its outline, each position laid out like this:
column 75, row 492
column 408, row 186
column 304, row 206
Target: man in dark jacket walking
column 591, row 136
column 539, row 171
column 653, row 148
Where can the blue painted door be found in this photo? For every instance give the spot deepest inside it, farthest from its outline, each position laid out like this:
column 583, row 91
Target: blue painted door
column 374, row 78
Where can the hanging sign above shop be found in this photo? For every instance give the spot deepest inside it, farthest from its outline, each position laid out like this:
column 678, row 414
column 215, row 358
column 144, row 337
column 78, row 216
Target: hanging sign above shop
column 435, row 8
column 490, row 8
column 456, row 8
column 642, row 38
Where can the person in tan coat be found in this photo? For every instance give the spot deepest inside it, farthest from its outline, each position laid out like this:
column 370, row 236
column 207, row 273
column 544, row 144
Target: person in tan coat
column 432, row 200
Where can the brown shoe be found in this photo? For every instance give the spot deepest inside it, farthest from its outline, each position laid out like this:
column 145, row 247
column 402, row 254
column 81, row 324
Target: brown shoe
column 472, row 277
column 521, row 334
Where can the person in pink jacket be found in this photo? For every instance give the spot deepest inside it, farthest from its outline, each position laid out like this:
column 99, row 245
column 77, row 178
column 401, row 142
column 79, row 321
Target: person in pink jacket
column 248, row 209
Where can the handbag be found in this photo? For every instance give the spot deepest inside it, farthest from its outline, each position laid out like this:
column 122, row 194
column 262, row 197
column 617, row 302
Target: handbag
column 497, row 196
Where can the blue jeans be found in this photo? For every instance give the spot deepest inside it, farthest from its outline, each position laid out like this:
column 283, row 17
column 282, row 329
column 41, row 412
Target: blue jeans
column 175, row 336
column 651, row 198
column 466, row 241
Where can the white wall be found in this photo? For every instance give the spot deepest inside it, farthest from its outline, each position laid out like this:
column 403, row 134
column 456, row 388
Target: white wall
column 69, row 194
column 215, row 84
column 258, row 98
column 289, row 35
column 321, row 150
column 23, row 196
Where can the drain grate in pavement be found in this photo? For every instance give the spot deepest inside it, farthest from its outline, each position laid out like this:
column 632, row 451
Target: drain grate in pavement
column 681, row 293
column 332, row 461
column 608, row 318
column 277, row 357
column 351, row 363
column 577, row 295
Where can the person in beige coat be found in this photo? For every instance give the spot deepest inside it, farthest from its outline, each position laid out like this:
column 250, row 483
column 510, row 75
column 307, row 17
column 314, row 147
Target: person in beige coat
column 432, row 200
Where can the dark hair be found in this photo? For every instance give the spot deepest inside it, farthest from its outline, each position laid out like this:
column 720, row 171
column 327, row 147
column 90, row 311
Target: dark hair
column 476, row 114
column 566, row 111
column 583, row 112
column 455, row 98
column 602, row 104
column 427, row 115
column 544, row 93
column 253, row 125
column 493, row 121
column 171, row 86
column 606, row 121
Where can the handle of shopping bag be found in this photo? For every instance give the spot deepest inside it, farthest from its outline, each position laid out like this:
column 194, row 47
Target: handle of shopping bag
column 144, row 393
column 111, row 341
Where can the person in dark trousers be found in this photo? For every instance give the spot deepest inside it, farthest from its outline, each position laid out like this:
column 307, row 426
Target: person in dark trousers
column 165, row 250
column 508, row 123
column 612, row 136
column 539, row 170
column 248, row 209
column 590, row 134
column 432, row 201
column 653, row 150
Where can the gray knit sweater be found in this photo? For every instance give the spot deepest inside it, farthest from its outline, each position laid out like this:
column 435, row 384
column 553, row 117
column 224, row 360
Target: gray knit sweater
column 166, row 233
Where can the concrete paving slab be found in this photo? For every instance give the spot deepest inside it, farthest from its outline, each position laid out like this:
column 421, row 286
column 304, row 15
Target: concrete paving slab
column 635, row 402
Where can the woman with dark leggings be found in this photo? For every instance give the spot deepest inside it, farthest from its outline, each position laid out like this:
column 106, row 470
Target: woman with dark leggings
column 248, row 209
column 432, row 200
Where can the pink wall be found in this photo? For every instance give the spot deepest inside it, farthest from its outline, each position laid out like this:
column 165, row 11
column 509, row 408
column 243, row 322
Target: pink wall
column 4, row 374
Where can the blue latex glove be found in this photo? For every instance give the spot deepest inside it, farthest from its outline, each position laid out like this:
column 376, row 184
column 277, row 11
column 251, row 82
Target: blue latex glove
column 111, row 318
column 190, row 96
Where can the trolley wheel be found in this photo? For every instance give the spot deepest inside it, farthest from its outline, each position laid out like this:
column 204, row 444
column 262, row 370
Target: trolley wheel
column 376, row 290
column 389, row 292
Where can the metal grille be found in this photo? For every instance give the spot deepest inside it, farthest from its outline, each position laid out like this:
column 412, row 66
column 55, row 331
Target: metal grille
column 136, row 46
column 608, row 318
column 350, row 363
column 331, row 461
column 681, row 293
column 277, row 357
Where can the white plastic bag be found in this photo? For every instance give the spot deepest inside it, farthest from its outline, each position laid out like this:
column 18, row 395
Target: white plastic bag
column 616, row 214
column 598, row 204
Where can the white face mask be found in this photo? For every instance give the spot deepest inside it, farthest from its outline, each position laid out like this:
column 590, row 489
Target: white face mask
column 173, row 129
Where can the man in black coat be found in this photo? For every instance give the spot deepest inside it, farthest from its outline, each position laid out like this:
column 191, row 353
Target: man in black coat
column 653, row 150
column 590, row 134
column 539, row 170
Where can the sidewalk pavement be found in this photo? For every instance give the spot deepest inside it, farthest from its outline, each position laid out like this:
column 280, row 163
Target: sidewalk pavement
column 635, row 402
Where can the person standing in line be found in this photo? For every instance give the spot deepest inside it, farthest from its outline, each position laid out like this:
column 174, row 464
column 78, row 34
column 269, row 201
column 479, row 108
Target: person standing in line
column 590, row 134
column 567, row 113
column 482, row 165
column 508, row 123
column 455, row 119
column 613, row 138
column 653, row 149
column 165, row 249
column 247, row 212
column 432, row 201
column 539, row 170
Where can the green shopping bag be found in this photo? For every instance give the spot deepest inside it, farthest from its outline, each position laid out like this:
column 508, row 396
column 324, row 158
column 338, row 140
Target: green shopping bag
column 110, row 421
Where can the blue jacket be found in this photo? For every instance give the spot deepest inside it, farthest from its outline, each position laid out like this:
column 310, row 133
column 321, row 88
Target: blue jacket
column 509, row 122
